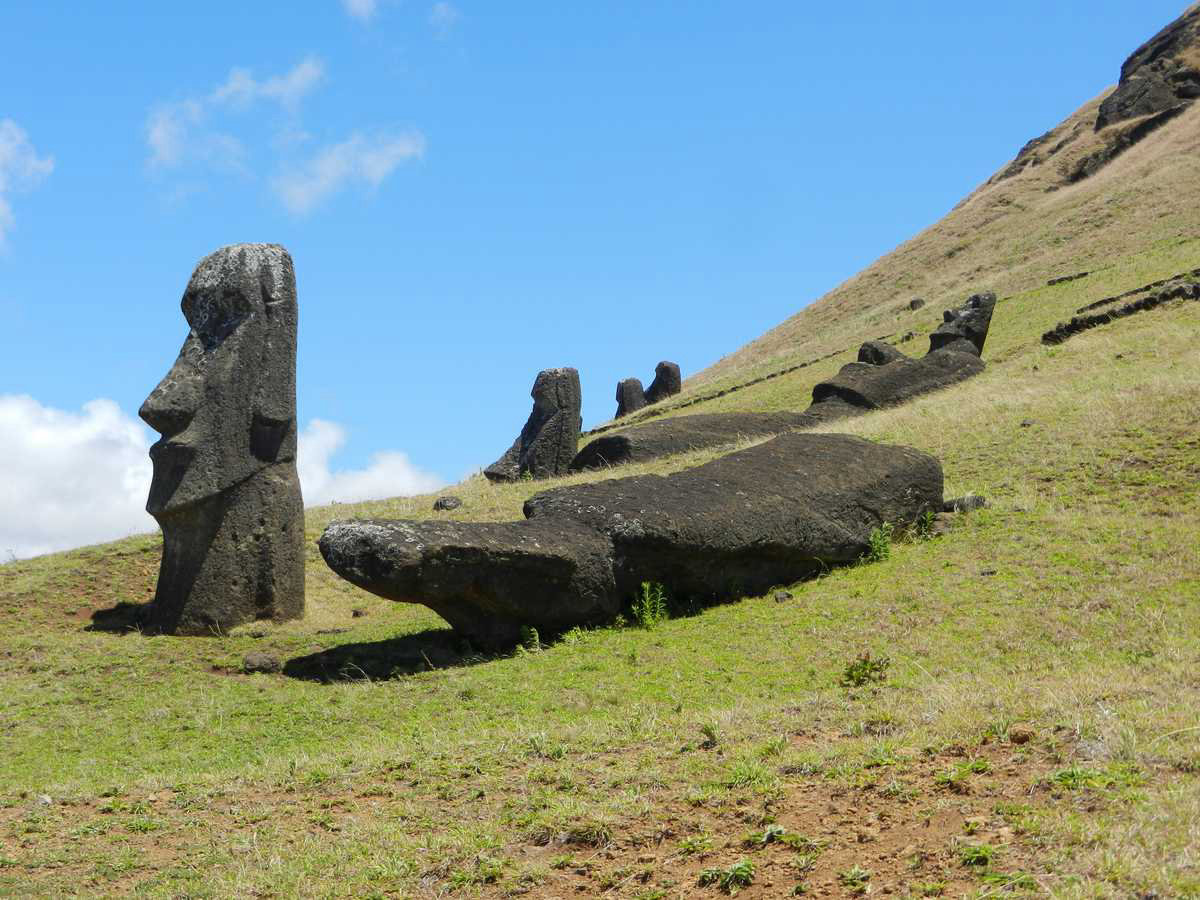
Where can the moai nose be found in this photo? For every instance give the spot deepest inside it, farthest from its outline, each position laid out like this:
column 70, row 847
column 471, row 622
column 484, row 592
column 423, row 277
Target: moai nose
column 172, row 404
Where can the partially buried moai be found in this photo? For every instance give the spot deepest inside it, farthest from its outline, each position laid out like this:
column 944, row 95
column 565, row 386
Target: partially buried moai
column 225, row 488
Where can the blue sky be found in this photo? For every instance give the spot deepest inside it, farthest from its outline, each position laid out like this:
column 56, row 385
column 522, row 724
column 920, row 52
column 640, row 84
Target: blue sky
column 472, row 192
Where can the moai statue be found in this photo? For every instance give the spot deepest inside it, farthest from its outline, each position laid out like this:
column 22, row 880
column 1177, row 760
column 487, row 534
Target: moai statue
column 547, row 443
column 630, row 397
column 966, row 328
column 667, row 382
column 225, row 488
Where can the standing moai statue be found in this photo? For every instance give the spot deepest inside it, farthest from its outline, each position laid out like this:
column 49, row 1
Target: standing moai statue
column 225, row 488
column 630, row 397
column 547, row 443
column 667, row 382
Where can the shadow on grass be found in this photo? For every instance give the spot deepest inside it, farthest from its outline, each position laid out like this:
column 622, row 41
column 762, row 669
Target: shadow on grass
column 390, row 658
column 123, row 618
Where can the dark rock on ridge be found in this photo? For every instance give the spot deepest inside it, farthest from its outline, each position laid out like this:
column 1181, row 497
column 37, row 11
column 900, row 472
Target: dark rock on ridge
column 630, row 397
column 916, row 303
column 882, row 377
column 447, row 503
column 547, row 443
column 225, row 488
column 667, row 382
column 1159, row 75
column 767, row 515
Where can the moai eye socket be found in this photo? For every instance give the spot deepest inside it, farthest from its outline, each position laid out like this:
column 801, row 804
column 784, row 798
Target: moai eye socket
column 215, row 316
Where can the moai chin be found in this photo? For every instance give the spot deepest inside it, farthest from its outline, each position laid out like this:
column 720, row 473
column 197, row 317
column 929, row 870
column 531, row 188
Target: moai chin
column 225, row 488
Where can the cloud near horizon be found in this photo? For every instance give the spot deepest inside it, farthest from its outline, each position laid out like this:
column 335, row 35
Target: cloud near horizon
column 20, row 169
column 78, row 478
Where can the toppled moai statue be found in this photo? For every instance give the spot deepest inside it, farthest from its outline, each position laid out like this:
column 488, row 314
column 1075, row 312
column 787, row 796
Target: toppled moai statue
column 768, row 515
column 966, row 328
column 882, row 377
column 547, row 443
column 667, row 382
column 225, row 488
column 630, row 397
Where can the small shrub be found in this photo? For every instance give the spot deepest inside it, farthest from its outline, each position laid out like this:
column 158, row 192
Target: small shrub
column 730, row 880
column 712, row 737
column 540, row 747
column 695, row 844
column 879, row 544
column 855, row 879
column 530, row 639
column 650, row 606
column 864, row 670
column 976, row 854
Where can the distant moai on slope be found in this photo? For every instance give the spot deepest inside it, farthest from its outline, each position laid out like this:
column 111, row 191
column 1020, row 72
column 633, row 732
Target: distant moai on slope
column 667, row 383
column 225, row 487
column 547, row 443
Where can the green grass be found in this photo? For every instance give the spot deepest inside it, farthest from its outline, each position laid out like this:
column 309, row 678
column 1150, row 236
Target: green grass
column 150, row 765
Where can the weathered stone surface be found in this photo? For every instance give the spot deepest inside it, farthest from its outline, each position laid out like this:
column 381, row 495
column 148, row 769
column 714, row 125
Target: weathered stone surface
column 225, row 488
column 667, row 382
column 766, row 515
column 877, row 353
column 486, row 580
column 630, row 397
column 264, row 663
column 447, row 503
column 1159, row 75
column 965, row 329
column 547, row 443
column 869, row 387
column 966, row 503
column 668, row 437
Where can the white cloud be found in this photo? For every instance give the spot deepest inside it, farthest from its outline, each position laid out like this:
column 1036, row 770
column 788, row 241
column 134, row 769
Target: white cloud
column 359, row 158
column 70, row 478
column 179, row 132
column 241, row 88
column 20, row 169
column 75, row 478
column 390, row 474
column 444, row 16
column 360, row 9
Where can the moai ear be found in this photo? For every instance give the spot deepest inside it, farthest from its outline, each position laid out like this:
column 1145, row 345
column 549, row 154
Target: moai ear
column 273, row 427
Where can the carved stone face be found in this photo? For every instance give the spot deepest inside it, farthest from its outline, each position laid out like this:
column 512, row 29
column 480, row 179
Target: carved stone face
column 227, row 407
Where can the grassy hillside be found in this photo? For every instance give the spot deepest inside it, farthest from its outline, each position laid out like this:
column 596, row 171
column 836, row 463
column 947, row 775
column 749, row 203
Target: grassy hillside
column 1012, row 708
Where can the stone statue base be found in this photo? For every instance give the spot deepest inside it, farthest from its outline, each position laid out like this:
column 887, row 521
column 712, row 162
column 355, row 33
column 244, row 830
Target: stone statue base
column 232, row 558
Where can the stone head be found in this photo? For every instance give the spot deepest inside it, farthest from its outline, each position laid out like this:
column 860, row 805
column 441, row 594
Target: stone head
column 227, row 407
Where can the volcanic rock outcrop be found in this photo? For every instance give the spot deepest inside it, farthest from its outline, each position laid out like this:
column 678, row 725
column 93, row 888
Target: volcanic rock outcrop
column 767, row 515
column 548, row 441
column 225, row 488
column 882, row 377
column 1162, row 74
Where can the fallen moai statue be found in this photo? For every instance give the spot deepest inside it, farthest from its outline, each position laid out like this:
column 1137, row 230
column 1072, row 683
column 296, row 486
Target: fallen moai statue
column 547, row 443
column 882, row 377
column 225, row 488
column 630, row 397
column 767, row 515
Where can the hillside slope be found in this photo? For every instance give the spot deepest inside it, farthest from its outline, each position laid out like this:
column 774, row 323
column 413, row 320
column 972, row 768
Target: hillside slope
column 1009, row 709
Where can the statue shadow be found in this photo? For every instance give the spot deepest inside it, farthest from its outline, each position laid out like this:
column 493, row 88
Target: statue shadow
column 395, row 657
column 124, row 618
